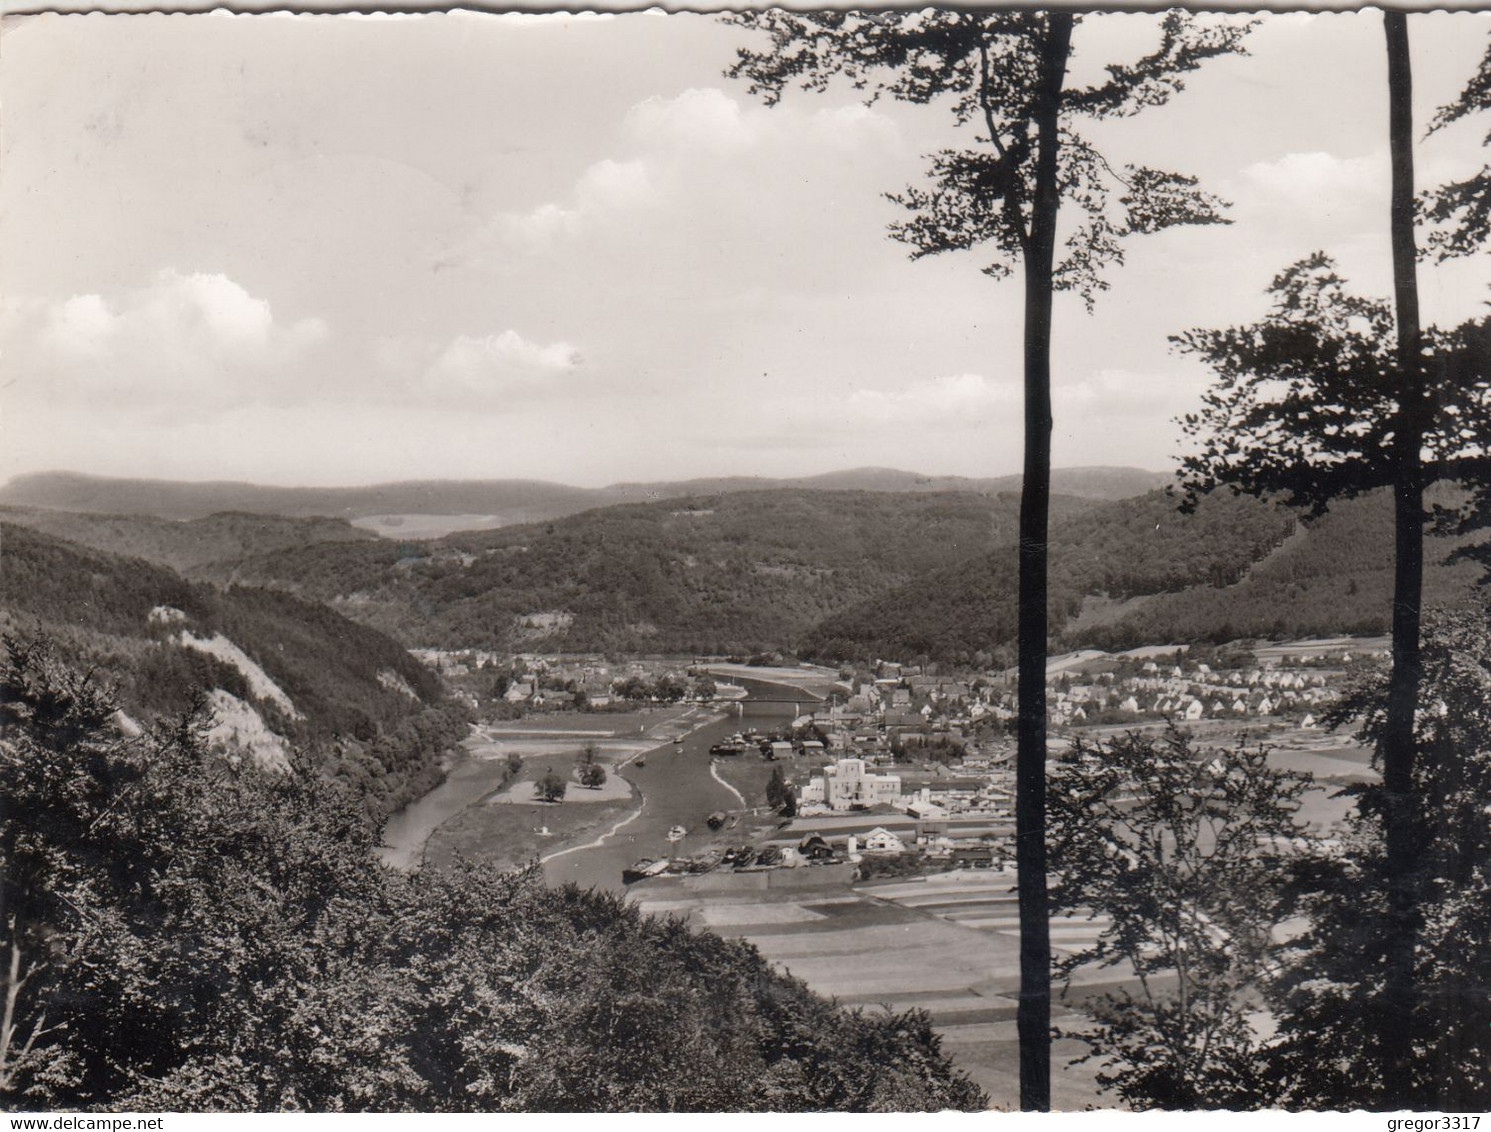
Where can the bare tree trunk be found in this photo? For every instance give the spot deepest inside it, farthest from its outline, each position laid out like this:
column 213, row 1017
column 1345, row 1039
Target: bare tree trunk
column 1397, row 746
column 1034, row 1016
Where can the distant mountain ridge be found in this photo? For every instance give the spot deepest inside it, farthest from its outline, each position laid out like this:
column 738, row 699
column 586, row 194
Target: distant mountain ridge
column 504, row 502
column 182, row 500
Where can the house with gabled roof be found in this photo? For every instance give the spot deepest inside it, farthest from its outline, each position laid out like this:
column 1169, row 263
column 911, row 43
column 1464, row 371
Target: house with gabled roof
column 882, row 840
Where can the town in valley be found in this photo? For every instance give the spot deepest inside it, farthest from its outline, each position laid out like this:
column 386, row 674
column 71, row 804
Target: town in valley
column 853, row 823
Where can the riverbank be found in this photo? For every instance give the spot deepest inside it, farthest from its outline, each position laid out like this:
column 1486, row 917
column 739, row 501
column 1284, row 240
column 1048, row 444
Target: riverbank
column 407, row 832
column 682, row 786
column 454, row 819
column 510, row 835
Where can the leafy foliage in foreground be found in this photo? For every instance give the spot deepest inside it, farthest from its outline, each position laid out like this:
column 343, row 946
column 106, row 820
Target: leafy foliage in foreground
column 1186, row 853
column 190, row 936
column 1333, row 1005
column 1195, row 858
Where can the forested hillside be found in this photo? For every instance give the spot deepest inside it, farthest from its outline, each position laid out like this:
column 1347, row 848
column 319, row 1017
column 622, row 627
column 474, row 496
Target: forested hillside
column 184, row 545
column 739, row 572
column 1237, row 567
column 1336, row 578
column 354, row 698
column 832, row 574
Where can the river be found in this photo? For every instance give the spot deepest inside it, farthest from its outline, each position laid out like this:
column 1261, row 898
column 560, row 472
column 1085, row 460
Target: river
column 405, row 834
column 676, row 789
column 675, row 786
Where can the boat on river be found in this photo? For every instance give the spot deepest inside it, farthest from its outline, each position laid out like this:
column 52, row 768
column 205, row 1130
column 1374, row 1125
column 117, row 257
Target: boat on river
column 646, row 867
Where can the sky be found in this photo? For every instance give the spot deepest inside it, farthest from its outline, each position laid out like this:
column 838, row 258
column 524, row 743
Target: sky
column 341, row 249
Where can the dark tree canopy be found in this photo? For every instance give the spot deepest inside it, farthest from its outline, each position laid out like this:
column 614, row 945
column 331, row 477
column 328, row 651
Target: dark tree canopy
column 1459, row 213
column 1330, row 1000
column 987, row 67
column 1307, row 401
column 550, row 787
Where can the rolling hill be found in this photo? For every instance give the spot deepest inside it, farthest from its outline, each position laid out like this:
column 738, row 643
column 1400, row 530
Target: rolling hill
column 862, row 574
column 832, row 574
column 172, row 499
column 1335, row 577
column 1084, row 483
column 184, row 544
column 1137, row 572
column 736, row 572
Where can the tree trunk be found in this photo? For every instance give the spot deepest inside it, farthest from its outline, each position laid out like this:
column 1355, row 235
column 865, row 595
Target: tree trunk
column 1397, row 746
column 1034, row 1017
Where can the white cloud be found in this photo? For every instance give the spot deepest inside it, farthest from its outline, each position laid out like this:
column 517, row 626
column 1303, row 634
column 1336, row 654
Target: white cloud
column 691, row 156
column 606, row 189
column 538, row 229
column 184, row 340
column 854, row 125
column 1319, row 179
column 698, row 120
column 1308, row 201
column 1117, row 392
column 81, row 326
column 498, row 365
column 614, row 184
column 958, row 399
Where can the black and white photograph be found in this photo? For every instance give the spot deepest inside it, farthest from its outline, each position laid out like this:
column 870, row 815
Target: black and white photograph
column 771, row 560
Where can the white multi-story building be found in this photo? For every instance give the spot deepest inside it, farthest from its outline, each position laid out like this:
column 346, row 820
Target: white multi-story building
column 846, row 784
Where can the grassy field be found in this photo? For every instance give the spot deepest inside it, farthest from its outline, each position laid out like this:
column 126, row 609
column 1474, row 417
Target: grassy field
column 483, row 812
column 510, row 835
column 617, row 725
column 749, row 774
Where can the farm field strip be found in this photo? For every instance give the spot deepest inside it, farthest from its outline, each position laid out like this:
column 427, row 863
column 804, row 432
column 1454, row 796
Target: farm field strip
column 940, row 883
column 545, row 733
column 936, row 901
column 756, row 915
column 972, row 909
column 884, row 947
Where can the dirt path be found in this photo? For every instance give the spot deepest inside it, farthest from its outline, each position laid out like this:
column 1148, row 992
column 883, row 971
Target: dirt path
column 602, row 839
